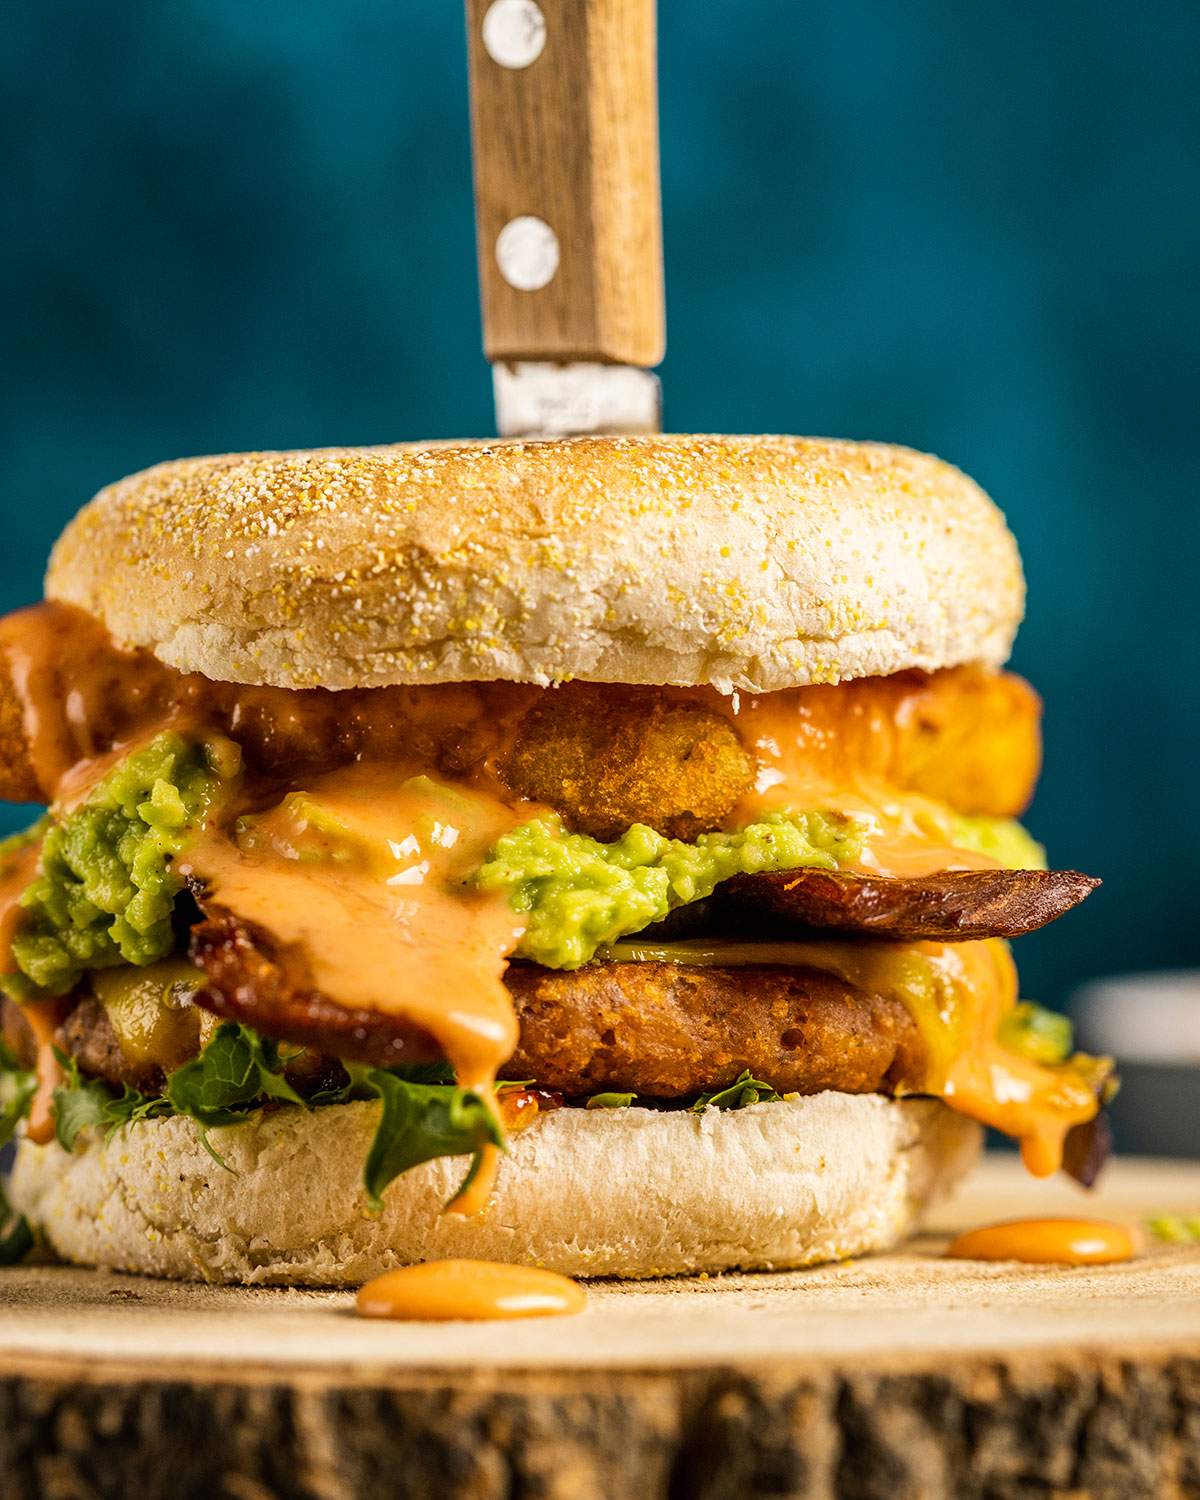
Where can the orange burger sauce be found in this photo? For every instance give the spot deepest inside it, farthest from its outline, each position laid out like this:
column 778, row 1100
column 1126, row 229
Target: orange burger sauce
column 1057, row 1242
column 441, row 1291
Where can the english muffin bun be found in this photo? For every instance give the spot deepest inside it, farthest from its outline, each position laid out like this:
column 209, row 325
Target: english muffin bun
column 628, row 1192
column 752, row 563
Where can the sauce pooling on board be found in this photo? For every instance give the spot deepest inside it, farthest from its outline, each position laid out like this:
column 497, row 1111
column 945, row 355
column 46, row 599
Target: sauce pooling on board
column 1049, row 1242
column 444, row 1291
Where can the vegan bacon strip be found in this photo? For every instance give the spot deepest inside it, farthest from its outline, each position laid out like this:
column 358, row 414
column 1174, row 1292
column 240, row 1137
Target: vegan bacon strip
column 950, row 907
column 251, row 979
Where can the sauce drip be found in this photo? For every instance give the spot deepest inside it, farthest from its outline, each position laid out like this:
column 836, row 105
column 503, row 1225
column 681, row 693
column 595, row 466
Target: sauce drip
column 43, row 1017
column 362, row 880
column 442, row 1291
column 58, row 664
column 17, row 871
column 1057, row 1242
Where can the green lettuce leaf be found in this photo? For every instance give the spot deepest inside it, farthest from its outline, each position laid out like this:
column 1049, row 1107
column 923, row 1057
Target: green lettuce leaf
column 80, row 1103
column 610, row 1101
column 420, row 1121
column 17, row 1086
column 422, row 1116
column 231, row 1077
column 425, row 1072
column 742, row 1091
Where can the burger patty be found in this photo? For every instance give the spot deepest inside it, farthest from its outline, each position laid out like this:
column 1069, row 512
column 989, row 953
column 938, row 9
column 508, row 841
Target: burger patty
column 654, row 1029
column 659, row 1029
column 668, row 1030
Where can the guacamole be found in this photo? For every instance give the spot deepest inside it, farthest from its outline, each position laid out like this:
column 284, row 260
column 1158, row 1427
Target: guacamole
column 580, row 894
column 106, row 892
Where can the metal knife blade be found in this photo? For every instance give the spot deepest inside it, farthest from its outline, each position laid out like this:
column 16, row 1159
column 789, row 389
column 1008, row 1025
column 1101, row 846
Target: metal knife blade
column 538, row 399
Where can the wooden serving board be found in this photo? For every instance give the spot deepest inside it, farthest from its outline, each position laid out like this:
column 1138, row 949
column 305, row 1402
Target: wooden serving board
column 901, row 1376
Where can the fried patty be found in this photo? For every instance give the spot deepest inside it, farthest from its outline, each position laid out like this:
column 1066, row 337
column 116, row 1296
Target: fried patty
column 654, row 1029
column 669, row 1030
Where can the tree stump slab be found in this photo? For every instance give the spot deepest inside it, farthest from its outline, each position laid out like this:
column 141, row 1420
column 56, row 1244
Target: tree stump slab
column 903, row 1377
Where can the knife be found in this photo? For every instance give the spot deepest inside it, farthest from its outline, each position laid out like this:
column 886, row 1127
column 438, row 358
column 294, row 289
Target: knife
column 564, row 127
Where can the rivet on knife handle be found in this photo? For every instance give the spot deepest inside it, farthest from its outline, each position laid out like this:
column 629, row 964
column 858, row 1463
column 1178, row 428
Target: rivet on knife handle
column 565, row 135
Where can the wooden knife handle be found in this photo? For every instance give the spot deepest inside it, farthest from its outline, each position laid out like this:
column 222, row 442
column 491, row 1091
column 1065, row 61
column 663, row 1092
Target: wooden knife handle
column 570, row 139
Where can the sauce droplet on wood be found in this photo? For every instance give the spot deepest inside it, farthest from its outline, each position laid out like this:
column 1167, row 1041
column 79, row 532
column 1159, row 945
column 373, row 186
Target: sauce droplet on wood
column 1058, row 1242
column 442, row 1291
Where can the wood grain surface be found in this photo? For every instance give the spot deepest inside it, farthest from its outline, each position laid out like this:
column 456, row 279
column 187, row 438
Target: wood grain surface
column 572, row 139
column 902, row 1376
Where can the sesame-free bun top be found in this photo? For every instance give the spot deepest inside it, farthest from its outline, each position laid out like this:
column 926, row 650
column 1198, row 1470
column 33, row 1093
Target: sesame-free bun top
column 752, row 563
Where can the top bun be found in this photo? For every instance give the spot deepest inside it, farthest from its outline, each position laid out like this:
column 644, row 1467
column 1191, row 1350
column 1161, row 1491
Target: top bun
column 751, row 563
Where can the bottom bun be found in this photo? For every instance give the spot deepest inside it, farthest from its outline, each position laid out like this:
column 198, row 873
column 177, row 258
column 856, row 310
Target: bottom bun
column 625, row 1192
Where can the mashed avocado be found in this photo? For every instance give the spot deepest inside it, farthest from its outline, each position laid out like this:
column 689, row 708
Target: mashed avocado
column 580, row 894
column 105, row 893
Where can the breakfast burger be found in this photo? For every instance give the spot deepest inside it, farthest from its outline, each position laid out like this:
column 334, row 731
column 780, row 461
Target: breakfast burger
column 598, row 853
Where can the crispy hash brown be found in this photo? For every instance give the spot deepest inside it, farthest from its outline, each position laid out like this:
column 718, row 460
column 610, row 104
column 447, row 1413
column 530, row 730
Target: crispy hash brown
column 602, row 755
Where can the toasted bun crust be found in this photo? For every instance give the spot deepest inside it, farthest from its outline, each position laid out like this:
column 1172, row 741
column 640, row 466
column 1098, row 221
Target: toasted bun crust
column 631, row 1192
column 752, row 563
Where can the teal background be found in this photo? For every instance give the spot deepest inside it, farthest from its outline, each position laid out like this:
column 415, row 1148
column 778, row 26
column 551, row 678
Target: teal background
column 970, row 228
